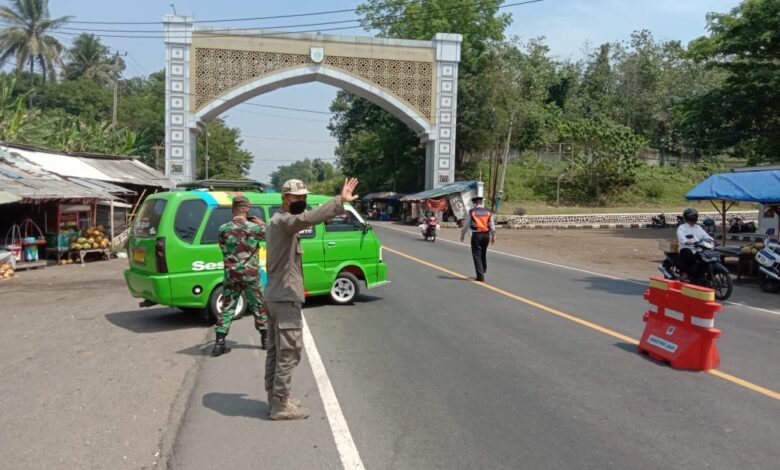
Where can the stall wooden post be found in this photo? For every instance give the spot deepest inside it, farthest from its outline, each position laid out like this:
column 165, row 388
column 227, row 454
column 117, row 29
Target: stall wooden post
column 111, row 219
column 722, row 211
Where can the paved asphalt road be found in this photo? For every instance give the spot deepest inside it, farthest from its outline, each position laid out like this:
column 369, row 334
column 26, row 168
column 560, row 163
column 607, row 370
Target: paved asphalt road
column 436, row 371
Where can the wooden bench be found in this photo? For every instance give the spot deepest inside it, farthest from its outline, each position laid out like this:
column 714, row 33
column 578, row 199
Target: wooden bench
column 745, row 261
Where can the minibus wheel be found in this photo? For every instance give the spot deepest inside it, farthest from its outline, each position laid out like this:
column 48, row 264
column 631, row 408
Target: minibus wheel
column 345, row 288
column 215, row 304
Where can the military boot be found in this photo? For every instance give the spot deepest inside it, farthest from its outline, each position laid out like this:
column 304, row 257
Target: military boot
column 220, row 347
column 283, row 408
column 270, row 396
column 264, row 340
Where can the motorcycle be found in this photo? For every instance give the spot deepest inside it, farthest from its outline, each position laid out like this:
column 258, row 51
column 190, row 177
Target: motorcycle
column 709, row 226
column 711, row 273
column 768, row 259
column 738, row 225
column 659, row 221
column 429, row 229
column 680, row 220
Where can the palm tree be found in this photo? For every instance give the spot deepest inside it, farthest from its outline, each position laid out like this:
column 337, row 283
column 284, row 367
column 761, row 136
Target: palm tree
column 27, row 36
column 89, row 59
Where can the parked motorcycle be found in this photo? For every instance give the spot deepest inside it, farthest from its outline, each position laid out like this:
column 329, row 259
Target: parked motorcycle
column 709, row 226
column 710, row 272
column 768, row 259
column 738, row 225
column 659, row 221
column 680, row 220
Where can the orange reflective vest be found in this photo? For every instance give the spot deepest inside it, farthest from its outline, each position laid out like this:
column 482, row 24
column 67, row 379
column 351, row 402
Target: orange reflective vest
column 480, row 219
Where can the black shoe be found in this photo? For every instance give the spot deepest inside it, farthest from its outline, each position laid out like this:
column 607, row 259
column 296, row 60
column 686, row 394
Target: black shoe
column 220, row 347
column 264, row 340
column 480, row 279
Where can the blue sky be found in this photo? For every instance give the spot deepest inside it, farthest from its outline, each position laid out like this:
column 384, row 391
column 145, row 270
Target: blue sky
column 275, row 137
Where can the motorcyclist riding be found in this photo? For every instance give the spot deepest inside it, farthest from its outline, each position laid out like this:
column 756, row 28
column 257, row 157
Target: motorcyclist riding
column 689, row 235
column 429, row 226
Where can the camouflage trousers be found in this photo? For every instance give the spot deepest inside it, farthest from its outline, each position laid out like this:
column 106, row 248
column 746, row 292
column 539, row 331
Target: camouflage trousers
column 232, row 288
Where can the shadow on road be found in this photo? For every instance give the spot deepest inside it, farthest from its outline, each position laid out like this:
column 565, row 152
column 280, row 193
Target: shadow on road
column 324, row 301
column 156, row 320
column 236, row 404
column 453, row 278
column 612, row 286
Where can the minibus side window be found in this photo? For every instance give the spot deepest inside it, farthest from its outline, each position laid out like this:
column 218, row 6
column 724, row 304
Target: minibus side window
column 344, row 222
column 219, row 216
column 222, row 215
column 147, row 222
column 189, row 216
column 305, row 233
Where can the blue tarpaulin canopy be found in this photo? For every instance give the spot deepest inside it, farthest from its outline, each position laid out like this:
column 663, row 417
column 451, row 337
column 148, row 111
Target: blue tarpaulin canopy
column 459, row 187
column 761, row 186
column 758, row 186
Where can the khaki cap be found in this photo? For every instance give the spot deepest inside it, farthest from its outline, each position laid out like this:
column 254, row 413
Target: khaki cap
column 240, row 201
column 295, row 187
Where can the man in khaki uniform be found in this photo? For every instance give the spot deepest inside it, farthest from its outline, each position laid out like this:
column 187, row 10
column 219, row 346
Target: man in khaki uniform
column 284, row 293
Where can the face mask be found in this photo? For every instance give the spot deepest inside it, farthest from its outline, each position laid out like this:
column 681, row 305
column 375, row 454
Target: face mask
column 297, row 207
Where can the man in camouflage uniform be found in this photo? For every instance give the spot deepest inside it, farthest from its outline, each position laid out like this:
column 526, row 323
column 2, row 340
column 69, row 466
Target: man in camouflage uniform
column 240, row 240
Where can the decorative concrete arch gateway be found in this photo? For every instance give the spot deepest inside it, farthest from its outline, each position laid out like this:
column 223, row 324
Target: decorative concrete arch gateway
column 210, row 70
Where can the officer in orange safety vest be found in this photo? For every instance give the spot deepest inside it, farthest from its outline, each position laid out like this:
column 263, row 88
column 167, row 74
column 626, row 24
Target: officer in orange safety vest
column 483, row 232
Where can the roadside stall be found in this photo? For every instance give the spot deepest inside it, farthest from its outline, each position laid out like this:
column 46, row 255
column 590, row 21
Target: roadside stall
column 451, row 203
column 724, row 190
column 383, row 205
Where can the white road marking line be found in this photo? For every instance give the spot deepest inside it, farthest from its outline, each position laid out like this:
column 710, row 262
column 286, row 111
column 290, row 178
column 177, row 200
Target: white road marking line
column 570, row 268
column 350, row 457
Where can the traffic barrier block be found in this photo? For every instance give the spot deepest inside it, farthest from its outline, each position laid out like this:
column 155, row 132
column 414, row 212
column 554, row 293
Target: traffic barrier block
column 681, row 331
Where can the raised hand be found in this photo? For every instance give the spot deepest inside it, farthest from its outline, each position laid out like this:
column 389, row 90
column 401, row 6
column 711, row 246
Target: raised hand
column 347, row 191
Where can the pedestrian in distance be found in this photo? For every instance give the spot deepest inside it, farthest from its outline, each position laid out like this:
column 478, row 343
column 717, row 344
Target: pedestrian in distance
column 482, row 225
column 285, row 292
column 240, row 240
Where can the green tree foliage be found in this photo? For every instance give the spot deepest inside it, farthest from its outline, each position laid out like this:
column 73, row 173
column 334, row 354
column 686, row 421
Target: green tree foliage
column 15, row 119
column 605, row 161
column 227, row 160
column 88, row 58
column 320, row 176
column 743, row 113
column 27, row 36
column 375, row 145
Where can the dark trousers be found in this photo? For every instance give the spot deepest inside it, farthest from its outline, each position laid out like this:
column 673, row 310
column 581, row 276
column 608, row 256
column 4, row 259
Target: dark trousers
column 479, row 246
column 687, row 262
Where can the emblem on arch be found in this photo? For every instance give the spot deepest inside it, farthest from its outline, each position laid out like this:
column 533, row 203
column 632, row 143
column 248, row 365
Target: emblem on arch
column 317, row 54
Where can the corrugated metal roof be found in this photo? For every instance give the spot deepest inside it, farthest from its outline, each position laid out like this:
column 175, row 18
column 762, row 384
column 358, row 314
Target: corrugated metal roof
column 459, row 187
column 128, row 171
column 27, row 180
column 114, row 169
column 41, row 188
column 103, row 186
column 62, row 165
column 387, row 195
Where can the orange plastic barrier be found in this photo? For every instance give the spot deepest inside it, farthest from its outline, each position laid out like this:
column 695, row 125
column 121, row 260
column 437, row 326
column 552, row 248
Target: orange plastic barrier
column 682, row 329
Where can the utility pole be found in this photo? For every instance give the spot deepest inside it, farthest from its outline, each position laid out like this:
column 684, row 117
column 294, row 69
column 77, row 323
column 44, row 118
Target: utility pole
column 558, row 178
column 157, row 148
column 505, row 164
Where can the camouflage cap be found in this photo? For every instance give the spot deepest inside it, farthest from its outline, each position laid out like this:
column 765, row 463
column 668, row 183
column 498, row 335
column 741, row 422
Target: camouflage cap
column 240, row 201
column 295, row 187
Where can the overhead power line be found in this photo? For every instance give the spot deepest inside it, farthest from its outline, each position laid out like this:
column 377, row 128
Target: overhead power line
column 402, row 17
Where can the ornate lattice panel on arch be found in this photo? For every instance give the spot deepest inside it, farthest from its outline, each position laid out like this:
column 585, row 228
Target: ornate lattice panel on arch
column 220, row 70
column 411, row 81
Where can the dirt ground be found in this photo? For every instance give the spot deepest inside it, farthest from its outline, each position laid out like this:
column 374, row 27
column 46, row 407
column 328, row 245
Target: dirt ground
column 88, row 377
column 624, row 252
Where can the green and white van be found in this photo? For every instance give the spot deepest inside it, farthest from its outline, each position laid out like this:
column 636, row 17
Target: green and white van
column 175, row 260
